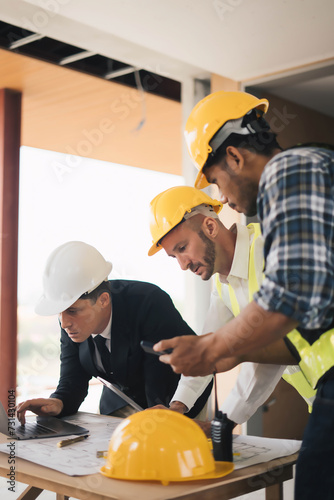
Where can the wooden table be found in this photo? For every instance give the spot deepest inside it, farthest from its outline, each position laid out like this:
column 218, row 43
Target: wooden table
column 269, row 475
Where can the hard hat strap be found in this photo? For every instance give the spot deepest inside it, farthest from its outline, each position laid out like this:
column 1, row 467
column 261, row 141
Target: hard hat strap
column 206, row 210
column 94, row 287
column 251, row 123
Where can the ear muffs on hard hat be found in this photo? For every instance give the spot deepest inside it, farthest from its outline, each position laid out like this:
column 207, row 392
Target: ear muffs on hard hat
column 161, row 445
column 71, row 270
column 209, row 116
column 169, row 207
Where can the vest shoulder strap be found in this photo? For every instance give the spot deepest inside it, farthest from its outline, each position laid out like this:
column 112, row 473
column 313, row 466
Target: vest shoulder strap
column 253, row 284
column 315, row 359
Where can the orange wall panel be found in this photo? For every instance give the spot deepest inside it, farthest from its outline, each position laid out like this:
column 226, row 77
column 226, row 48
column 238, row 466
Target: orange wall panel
column 70, row 112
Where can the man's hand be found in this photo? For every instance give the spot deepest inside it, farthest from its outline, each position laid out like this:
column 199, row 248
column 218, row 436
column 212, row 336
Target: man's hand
column 49, row 407
column 226, row 364
column 192, row 355
column 178, row 407
column 205, row 426
column 253, row 329
column 174, row 406
column 157, row 407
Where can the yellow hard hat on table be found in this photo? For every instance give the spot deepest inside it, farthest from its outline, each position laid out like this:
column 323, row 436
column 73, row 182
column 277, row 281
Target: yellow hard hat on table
column 161, row 445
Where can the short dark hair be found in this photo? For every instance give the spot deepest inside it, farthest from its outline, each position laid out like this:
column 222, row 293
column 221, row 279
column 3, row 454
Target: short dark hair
column 263, row 142
column 95, row 294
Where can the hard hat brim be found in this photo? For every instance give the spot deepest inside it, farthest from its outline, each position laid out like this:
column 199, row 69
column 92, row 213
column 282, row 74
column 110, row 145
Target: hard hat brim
column 156, row 247
column 170, row 208
column 201, row 181
column 48, row 307
column 230, row 112
column 221, row 469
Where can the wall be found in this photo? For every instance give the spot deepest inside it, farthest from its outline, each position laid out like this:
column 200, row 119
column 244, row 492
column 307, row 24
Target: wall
column 77, row 114
column 285, row 414
column 294, row 123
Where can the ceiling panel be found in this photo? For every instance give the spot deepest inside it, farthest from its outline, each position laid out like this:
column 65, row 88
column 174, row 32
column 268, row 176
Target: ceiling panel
column 79, row 114
column 312, row 89
column 255, row 42
column 21, row 41
column 237, row 39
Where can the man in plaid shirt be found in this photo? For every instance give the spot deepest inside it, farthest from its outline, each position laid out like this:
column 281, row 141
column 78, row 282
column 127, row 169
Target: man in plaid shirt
column 293, row 194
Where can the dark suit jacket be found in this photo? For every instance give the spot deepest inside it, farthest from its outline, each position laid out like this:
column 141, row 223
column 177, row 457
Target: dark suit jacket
column 140, row 311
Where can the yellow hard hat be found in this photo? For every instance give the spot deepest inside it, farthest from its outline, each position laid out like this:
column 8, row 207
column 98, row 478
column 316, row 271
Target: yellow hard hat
column 161, row 445
column 209, row 116
column 169, row 207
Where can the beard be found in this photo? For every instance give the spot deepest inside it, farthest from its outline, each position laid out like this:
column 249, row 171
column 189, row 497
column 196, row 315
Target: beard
column 209, row 256
column 251, row 209
column 249, row 190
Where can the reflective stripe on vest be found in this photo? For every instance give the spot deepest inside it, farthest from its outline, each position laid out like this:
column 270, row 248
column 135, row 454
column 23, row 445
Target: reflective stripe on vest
column 297, row 379
column 316, row 358
column 253, row 284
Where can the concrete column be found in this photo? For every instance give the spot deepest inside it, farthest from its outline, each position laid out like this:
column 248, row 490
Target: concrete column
column 10, row 127
column 197, row 291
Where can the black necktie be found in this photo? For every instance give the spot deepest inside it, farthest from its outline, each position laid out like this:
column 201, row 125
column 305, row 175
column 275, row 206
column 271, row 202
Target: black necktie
column 104, row 352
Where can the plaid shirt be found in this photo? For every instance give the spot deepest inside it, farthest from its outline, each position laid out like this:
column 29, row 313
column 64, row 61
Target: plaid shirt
column 296, row 210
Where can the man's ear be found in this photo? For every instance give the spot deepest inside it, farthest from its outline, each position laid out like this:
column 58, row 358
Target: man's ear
column 234, row 159
column 210, row 227
column 104, row 299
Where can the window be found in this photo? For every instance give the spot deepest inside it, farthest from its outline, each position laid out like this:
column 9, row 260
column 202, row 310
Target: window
column 66, row 198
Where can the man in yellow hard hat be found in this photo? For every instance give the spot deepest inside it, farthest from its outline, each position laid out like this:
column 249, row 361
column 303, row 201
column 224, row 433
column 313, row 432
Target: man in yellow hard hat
column 292, row 193
column 185, row 223
column 102, row 325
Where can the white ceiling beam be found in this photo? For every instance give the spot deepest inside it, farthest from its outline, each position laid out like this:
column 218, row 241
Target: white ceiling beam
column 181, row 39
column 25, row 41
column 76, row 57
column 120, row 72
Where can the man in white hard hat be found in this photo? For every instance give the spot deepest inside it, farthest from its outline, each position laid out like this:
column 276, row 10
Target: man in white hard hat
column 102, row 324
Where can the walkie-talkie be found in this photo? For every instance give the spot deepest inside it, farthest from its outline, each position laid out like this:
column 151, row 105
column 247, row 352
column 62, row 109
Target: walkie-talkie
column 221, row 433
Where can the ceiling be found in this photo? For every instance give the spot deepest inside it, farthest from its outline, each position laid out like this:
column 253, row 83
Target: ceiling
column 238, row 39
column 285, row 47
column 80, row 115
column 22, row 41
column 313, row 89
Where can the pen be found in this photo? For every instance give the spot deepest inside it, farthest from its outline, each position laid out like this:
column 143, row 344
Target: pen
column 101, row 454
column 67, row 442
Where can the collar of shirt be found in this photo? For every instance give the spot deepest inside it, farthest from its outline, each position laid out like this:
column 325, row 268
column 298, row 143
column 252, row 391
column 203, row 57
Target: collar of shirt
column 106, row 334
column 240, row 263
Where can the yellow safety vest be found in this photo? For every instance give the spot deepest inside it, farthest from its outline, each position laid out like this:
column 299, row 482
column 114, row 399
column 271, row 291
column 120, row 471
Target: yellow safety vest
column 298, row 379
column 315, row 359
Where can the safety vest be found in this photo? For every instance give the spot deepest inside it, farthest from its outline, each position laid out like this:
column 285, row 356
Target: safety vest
column 315, row 359
column 293, row 375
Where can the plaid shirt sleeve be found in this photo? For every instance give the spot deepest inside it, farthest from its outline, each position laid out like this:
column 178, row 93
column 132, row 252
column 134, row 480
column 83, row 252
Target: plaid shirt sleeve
column 296, row 210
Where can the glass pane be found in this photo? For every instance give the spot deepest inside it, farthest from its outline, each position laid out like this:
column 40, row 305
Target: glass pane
column 65, row 198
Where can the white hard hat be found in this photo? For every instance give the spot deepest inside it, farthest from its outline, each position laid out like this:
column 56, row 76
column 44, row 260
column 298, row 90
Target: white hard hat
column 71, row 270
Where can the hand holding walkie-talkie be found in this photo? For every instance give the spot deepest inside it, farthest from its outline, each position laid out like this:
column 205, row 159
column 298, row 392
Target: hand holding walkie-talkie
column 221, row 434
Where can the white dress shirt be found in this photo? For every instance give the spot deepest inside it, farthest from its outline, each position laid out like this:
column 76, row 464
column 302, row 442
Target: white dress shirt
column 255, row 382
column 107, row 335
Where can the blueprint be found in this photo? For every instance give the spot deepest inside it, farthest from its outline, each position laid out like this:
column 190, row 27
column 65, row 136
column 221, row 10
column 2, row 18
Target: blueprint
column 81, row 458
